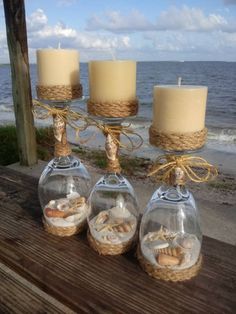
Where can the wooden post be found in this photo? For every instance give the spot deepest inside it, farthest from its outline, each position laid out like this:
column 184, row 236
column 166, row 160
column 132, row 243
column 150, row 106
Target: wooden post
column 21, row 89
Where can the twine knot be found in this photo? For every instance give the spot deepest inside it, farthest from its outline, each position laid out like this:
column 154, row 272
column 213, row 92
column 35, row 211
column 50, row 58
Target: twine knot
column 174, row 169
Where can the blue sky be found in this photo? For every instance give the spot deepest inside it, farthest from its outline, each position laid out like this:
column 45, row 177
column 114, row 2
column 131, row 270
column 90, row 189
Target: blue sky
column 140, row 30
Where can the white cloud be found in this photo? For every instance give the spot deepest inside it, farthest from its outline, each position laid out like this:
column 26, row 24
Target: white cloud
column 189, row 19
column 36, row 20
column 114, row 21
column 42, row 35
column 184, row 18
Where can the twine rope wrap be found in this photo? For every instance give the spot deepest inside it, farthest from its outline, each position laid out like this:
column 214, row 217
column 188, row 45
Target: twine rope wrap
column 64, row 231
column 111, row 249
column 168, row 274
column 118, row 109
column 177, row 141
column 43, row 111
column 59, row 92
column 196, row 169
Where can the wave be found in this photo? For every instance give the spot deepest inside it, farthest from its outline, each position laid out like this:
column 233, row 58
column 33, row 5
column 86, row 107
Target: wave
column 4, row 108
column 222, row 135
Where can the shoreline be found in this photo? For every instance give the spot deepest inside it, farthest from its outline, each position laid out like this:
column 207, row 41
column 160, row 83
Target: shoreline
column 223, row 157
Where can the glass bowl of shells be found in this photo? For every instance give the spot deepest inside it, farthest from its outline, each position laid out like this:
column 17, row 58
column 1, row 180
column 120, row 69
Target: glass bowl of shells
column 170, row 235
column 113, row 215
column 63, row 190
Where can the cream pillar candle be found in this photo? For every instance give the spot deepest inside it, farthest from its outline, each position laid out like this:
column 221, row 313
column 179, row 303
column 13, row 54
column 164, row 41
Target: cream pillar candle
column 179, row 109
column 112, row 81
column 58, row 67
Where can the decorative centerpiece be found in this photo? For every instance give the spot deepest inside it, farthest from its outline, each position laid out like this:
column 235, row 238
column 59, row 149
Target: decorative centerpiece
column 170, row 234
column 113, row 210
column 65, row 183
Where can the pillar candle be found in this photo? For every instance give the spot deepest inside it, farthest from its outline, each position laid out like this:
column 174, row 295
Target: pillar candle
column 179, row 109
column 111, row 81
column 58, row 67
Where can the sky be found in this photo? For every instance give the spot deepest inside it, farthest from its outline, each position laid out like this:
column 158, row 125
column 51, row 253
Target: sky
column 149, row 30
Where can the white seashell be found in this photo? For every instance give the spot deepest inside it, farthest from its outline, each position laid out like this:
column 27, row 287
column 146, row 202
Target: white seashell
column 111, row 238
column 102, row 217
column 51, row 204
column 111, row 148
column 63, row 206
column 119, row 212
column 73, row 218
column 73, row 195
column 158, row 244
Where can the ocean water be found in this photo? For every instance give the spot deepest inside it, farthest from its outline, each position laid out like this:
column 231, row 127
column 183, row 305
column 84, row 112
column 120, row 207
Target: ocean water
column 220, row 77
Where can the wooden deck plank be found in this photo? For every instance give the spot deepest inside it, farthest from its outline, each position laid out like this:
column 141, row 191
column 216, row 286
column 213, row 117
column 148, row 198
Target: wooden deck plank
column 74, row 274
column 18, row 295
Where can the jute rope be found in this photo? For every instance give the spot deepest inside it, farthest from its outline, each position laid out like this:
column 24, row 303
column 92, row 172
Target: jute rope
column 177, row 141
column 59, row 92
column 118, row 109
column 166, row 273
column 196, row 169
column 64, row 231
column 111, row 249
column 44, row 111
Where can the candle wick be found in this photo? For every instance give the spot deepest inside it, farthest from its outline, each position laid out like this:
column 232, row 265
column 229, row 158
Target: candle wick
column 179, row 80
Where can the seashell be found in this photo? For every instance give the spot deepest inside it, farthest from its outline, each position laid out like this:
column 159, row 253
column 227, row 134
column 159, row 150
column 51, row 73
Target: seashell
column 171, row 251
column 63, row 207
column 54, row 213
column 102, row 217
column 111, row 148
column 120, row 212
column 58, row 127
column 111, row 238
column 158, row 244
column 73, row 195
column 77, row 202
column 73, row 218
column 167, row 260
column 124, row 227
column 52, row 203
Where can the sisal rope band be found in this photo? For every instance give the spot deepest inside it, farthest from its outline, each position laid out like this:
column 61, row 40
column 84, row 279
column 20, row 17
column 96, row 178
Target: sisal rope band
column 59, row 92
column 177, row 141
column 168, row 274
column 64, row 231
column 118, row 109
column 111, row 249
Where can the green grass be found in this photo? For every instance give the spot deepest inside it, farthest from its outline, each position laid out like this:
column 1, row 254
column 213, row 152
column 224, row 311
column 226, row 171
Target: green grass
column 9, row 148
column 129, row 165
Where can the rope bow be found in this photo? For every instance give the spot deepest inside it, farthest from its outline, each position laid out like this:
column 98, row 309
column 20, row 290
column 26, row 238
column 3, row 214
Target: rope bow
column 43, row 111
column 196, row 169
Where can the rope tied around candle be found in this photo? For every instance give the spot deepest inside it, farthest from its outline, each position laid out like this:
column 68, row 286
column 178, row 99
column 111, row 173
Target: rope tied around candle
column 174, row 169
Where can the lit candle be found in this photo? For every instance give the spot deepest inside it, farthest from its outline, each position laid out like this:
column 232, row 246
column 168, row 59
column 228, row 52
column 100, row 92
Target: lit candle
column 179, row 108
column 58, row 67
column 112, row 81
